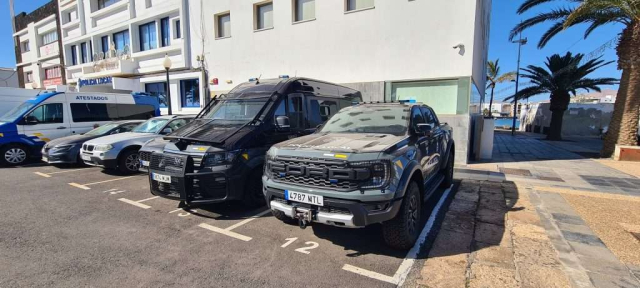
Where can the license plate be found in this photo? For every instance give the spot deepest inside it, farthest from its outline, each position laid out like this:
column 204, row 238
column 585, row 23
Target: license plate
column 161, row 178
column 304, row 198
column 85, row 157
column 45, row 159
column 144, row 163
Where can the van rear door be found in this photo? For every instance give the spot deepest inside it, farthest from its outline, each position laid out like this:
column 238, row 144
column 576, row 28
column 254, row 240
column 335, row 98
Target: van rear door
column 46, row 122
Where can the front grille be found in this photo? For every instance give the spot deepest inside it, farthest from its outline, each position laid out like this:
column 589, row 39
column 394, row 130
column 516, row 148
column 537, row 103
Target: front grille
column 168, row 162
column 319, row 175
column 145, row 156
column 87, row 147
column 169, row 190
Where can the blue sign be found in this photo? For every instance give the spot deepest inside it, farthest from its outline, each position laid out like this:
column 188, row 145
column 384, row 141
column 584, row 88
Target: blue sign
column 92, row 82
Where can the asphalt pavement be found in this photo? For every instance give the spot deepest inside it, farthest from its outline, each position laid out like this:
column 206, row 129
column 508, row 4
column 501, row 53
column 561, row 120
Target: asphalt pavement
column 80, row 226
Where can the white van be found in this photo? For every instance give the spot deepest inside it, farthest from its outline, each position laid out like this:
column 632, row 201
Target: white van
column 27, row 127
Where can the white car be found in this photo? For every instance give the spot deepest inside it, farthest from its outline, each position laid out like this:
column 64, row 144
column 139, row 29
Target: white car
column 120, row 151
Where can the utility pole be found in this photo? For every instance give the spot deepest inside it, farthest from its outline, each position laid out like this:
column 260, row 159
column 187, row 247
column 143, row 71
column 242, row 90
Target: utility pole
column 515, row 96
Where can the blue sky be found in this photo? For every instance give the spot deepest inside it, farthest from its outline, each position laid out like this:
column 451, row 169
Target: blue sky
column 503, row 18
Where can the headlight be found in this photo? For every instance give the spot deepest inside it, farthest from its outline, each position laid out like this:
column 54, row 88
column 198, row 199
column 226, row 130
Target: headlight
column 103, row 148
column 219, row 159
column 62, row 148
column 271, row 154
column 380, row 173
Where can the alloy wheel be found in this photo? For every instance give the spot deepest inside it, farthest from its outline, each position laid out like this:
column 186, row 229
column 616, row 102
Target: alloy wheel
column 132, row 163
column 15, row 155
column 412, row 217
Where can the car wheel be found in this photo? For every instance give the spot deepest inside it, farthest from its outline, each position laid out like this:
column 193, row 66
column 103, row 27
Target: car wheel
column 129, row 162
column 448, row 172
column 402, row 231
column 253, row 195
column 13, row 155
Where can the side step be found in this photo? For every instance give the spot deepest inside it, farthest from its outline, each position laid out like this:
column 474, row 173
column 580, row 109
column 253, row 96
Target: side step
column 432, row 186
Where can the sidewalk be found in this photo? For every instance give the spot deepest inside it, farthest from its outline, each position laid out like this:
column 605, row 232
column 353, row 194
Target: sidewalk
column 539, row 215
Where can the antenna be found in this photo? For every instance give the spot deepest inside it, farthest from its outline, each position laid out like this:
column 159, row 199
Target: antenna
column 258, row 82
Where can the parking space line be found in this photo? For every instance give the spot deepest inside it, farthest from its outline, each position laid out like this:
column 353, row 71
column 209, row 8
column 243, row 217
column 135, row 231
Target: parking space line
column 134, row 203
column 234, row 226
column 48, row 175
column 79, row 186
column 84, row 186
column 225, row 232
column 405, row 267
column 151, row 198
column 370, row 274
column 110, row 180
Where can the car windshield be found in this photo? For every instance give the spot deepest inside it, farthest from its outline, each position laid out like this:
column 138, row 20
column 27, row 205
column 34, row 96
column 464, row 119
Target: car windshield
column 102, row 130
column 14, row 113
column 151, row 126
column 235, row 110
column 371, row 120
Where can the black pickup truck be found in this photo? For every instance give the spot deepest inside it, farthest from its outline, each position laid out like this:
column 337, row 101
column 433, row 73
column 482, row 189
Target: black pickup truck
column 370, row 163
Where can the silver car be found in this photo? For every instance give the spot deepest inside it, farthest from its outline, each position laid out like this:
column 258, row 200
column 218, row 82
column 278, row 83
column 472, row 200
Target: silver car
column 120, row 151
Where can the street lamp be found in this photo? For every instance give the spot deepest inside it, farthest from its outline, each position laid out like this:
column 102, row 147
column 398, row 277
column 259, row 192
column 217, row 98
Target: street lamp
column 520, row 42
column 167, row 66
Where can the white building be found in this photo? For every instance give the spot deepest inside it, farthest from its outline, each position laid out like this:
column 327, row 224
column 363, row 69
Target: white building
column 120, row 46
column 432, row 51
column 9, row 78
column 38, row 49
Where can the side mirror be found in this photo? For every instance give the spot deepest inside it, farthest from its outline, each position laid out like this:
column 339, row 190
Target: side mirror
column 116, row 131
column 166, row 131
column 424, row 129
column 282, row 123
column 30, row 120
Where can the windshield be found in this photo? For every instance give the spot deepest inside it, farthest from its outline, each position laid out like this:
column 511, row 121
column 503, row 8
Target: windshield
column 102, row 130
column 371, row 120
column 235, row 110
column 151, row 126
column 14, row 113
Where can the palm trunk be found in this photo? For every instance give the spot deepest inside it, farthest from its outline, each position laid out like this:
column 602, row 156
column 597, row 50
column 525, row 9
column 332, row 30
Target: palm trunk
column 491, row 102
column 623, row 129
column 555, row 130
column 558, row 105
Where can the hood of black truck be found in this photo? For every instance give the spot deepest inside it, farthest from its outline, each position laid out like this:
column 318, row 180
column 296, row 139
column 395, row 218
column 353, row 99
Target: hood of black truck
column 342, row 142
column 208, row 131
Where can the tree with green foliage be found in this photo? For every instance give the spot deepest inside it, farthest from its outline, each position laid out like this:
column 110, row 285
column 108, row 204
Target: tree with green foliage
column 624, row 121
column 494, row 78
column 563, row 76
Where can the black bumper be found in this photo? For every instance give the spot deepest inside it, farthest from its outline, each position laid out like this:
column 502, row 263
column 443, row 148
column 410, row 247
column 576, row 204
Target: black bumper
column 363, row 212
column 199, row 188
column 69, row 157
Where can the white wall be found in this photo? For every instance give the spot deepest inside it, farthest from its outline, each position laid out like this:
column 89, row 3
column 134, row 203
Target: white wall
column 397, row 40
column 9, row 78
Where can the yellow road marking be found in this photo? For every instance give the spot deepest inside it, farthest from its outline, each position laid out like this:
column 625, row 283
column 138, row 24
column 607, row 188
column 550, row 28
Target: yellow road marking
column 593, row 194
column 42, row 174
column 80, row 186
column 66, row 171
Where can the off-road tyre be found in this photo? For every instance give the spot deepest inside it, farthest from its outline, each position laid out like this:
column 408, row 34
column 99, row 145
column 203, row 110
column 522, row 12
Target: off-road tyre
column 129, row 161
column 253, row 195
column 447, row 172
column 402, row 231
column 14, row 155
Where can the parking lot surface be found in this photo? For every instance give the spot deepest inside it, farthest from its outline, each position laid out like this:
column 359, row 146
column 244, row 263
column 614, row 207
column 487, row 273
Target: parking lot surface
column 79, row 226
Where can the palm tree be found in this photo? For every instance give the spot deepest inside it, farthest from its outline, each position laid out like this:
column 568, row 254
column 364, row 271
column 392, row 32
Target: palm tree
column 494, row 77
column 563, row 76
column 596, row 13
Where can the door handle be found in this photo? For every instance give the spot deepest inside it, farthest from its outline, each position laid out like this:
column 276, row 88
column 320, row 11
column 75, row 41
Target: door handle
column 61, row 127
